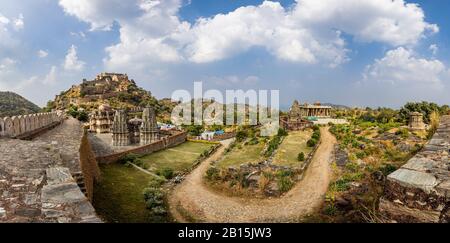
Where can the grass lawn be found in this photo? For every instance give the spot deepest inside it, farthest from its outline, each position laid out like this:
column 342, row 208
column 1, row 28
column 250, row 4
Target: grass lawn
column 245, row 154
column 118, row 196
column 178, row 158
column 292, row 145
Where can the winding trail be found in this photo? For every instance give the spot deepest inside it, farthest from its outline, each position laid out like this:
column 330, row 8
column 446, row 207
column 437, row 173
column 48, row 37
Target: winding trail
column 192, row 200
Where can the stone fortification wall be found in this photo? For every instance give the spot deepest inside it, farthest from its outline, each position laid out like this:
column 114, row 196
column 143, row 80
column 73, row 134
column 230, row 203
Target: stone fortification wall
column 28, row 126
column 166, row 142
column 420, row 190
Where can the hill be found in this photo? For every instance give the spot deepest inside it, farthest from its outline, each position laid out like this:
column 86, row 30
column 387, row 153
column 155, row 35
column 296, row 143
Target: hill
column 12, row 104
column 114, row 89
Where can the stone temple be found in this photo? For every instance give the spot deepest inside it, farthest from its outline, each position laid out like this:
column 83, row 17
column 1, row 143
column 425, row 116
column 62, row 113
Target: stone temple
column 135, row 131
column 297, row 118
column 101, row 121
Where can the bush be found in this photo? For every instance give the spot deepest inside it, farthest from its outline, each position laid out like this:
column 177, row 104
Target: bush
column 341, row 185
column 212, row 173
column 128, row 158
column 301, row 157
column 166, row 173
column 241, row 135
column 282, row 132
column 403, row 133
column 388, row 169
column 154, row 200
column 312, row 143
column 285, row 183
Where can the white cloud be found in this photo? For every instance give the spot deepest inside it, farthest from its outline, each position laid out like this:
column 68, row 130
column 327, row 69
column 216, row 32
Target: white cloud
column 393, row 22
column 308, row 32
column 434, row 49
column 234, row 80
column 403, row 67
column 51, row 77
column 19, row 22
column 71, row 62
column 42, row 54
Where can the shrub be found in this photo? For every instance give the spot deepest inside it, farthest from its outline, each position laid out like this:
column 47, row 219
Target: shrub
column 128, row 158
column 166, row 173
column 361, row 155
column 282, row 132
column 285, row 183
column 212, row 173
column 403, row 133
column 330, row 209
column 241, row 135
column 154, row 198
column 301, row 157
column 273, row 145
column 312, row 142
column 253, row 141
column 387, row 169
column 341, row 185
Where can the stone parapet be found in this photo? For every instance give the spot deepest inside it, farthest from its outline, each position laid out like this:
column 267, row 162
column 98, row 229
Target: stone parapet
column 28, row 125
column 420, row 190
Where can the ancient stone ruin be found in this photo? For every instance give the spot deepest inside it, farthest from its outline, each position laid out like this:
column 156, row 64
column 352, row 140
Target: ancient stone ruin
column 135, row 131
column 296, row 118
column 420, row 190
column 416, row 121
column 101, row 121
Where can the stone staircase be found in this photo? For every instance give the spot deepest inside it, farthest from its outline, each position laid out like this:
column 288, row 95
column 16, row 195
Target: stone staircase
column 79, row 179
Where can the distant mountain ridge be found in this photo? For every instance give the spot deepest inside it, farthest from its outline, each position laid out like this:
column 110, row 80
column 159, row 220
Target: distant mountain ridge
column 12, row 104
column 335, row 106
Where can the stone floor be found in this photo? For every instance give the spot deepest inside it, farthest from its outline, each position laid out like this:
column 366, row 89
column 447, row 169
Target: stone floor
column 36, row 184
column 101, row 145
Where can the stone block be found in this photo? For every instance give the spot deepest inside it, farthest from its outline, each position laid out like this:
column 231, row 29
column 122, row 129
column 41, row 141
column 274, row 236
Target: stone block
column 57, row 175
column 62, row 193
column 419, row 164
column 414, row 179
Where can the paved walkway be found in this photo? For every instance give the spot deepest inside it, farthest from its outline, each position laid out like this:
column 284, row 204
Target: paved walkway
column 35, row 180
column 65, row 139
column 193, row 199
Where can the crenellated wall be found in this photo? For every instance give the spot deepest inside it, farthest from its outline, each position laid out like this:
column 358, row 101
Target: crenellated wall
column 27, row 126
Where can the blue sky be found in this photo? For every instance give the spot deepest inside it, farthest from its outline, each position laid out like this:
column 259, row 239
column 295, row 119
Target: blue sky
column 356, row 53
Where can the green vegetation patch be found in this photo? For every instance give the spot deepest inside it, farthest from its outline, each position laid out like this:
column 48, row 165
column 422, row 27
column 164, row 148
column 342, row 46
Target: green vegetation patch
column 177, row 159
column 291, row 147
column 118, row 196
column 240, row 154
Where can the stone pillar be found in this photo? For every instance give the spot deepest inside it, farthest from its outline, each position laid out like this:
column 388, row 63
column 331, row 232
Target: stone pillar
column 149, row 129
column 120, row 130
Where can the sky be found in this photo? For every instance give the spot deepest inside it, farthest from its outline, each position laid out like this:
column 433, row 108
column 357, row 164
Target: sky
column 349, row 52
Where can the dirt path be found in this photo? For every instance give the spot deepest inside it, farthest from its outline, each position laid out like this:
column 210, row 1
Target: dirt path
column 194, row 200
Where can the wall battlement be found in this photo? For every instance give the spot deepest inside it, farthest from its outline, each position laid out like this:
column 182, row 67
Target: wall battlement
column 27, row 126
